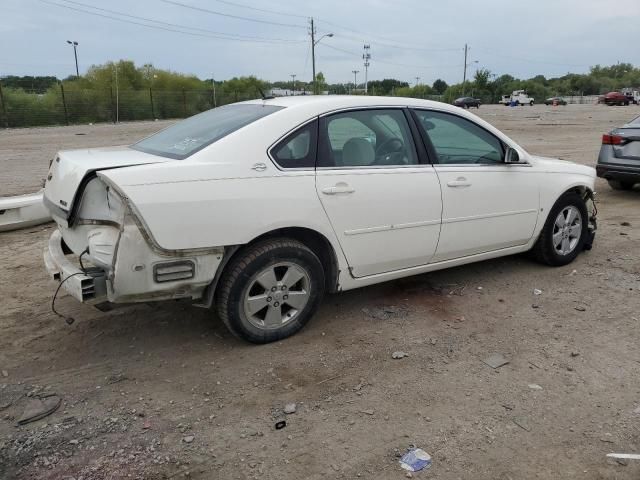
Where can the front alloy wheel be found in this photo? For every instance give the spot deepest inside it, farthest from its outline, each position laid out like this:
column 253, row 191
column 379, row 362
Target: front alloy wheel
column 565, row 231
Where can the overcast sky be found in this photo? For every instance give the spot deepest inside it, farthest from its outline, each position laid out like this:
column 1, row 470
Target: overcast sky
column 408, row 38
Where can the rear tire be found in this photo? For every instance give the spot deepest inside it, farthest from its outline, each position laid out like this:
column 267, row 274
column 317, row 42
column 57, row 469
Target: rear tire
column 564, row 233
column 620, row 185
column 270, row 290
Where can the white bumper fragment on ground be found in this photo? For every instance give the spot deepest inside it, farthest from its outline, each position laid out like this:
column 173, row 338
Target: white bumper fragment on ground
column 22, row 211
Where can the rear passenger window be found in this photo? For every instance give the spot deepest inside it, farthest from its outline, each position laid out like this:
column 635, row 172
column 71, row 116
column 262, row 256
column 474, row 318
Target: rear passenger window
column 297, row 150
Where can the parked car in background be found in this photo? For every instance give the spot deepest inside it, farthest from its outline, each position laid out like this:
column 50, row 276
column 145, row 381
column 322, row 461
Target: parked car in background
column 619, row 158
column 467, row 102
column 615, row 98
column 555, row 101
column 258, row 208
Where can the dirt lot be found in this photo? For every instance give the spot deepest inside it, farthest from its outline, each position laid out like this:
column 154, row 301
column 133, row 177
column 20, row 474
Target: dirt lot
column 163, row 391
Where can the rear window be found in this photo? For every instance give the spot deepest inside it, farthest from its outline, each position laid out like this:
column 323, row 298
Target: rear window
column 188, row 136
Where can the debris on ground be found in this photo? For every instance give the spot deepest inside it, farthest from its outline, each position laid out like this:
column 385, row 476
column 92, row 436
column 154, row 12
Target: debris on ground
column 415, row 460
column 289, row 408
column 188, row 438
column 537, row 291
column 39, row 407
column 581, row 308
column 367, row 412
column 534, row 386
column 625, row 456
column 523, row 423
column 398, row 355
column 280, row 425
column 496, row 360
column 5, row 373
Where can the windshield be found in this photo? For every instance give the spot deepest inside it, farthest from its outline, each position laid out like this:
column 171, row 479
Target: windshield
column 188, row 136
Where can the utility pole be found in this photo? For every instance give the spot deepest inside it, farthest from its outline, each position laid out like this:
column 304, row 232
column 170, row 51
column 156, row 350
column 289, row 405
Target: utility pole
column 117, row 97
column 314, row 42
column 464, row 75
column 355, row 79
column 213, row 84
column 293, row 78
column 313, row 56
column 366, row 56
column 417, row 81
column 75, row 54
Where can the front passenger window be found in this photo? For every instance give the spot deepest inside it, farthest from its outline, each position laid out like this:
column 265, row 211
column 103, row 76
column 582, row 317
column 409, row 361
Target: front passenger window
column 457, row 140
column 366, row 138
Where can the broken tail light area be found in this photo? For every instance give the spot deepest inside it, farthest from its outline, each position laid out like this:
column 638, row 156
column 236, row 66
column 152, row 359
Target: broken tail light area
column 108, row 255
column 609, row 139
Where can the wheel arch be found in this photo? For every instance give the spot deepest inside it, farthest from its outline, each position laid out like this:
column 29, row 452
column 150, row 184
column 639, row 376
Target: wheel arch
column 585, row 191
column 314, row 240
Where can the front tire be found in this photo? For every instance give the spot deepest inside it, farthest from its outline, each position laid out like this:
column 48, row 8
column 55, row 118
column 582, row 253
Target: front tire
column 620, row 185
column 564, row 232
column 270, row 290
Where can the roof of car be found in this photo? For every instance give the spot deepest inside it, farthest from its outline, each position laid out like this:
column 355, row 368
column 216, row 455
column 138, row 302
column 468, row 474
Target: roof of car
column 324, row 103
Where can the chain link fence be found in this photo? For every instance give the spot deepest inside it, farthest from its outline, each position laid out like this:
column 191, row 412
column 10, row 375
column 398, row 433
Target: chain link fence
column 65, row 105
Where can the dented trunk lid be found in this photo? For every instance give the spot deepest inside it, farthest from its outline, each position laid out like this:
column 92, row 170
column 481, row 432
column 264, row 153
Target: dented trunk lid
column 70, row 168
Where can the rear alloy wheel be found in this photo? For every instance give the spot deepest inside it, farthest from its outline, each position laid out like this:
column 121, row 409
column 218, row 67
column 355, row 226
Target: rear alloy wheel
column 620, row 185
column 564, row 233
column 271, row 290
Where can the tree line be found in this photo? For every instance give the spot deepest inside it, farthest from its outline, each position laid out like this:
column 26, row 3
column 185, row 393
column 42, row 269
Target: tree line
column 123, row 91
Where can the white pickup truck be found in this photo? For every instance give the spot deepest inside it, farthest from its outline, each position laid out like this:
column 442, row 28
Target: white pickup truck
column 519, row 97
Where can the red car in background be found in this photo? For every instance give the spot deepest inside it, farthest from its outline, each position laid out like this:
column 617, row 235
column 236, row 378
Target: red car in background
column 616, row 98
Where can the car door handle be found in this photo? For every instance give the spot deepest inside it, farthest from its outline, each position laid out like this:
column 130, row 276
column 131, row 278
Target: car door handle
column 459, row 182
column 337, row 189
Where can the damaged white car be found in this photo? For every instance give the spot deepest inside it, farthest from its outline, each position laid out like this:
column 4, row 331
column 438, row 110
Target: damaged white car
column 257, row 209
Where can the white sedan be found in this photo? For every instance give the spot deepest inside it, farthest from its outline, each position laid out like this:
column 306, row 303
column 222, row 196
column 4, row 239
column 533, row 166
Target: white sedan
column 257, row 209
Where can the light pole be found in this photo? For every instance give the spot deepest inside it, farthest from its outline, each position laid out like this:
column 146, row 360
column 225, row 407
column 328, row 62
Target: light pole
column 314, row 42
column 366, row 56
column 293, row 80
column 417, row 81
column 75, row 54
column 355, row 79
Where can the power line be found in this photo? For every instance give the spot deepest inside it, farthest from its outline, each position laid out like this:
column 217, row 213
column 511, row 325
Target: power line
column 374, row 40
column 213, row 34
column 263, row 10
column 228, row 15
column 391, row 63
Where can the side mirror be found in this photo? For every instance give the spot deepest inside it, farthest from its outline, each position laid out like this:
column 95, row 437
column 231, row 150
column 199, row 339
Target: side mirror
column 511, row 156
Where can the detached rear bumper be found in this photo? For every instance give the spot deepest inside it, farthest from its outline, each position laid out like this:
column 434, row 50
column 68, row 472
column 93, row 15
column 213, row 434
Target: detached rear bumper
column 85, row 286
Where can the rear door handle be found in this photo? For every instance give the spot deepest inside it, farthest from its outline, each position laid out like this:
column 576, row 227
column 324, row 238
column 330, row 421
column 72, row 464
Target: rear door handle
column 459, row 182
column 337, row 189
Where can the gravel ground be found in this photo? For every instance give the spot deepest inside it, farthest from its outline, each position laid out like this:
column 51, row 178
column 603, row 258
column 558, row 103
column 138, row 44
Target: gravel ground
column 163, row 391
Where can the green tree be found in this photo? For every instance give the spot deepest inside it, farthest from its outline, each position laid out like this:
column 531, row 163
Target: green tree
column 321, row 83
column 440, row 86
